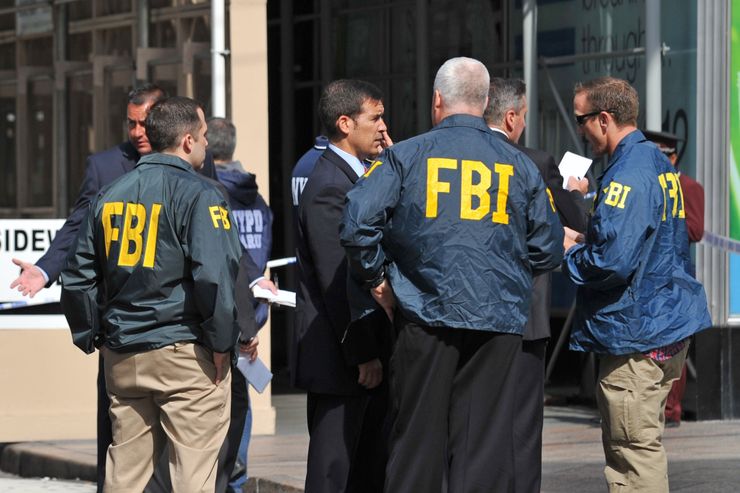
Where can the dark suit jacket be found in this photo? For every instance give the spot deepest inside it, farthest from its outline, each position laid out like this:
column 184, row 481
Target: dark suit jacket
column 101, row 169
column 322, row 311
column 571, row 214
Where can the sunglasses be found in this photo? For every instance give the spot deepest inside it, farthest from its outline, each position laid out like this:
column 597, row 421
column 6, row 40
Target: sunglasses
column 581, row 119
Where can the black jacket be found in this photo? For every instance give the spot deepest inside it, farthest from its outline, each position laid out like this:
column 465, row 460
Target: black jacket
column 322, row 310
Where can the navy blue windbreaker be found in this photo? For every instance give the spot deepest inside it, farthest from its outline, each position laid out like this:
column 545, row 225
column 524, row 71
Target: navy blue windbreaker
column 253, row 219
column 635, row 292
column 461, row 220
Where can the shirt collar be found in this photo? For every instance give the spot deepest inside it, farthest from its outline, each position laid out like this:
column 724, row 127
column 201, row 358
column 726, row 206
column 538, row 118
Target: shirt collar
column 494, row 129
column 353, row 161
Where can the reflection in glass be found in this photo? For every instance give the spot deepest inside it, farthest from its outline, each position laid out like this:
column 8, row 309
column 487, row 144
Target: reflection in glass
column 202, row 83
column 79, row 132
column 118, row 84
column 7, row 147
column 40, row 168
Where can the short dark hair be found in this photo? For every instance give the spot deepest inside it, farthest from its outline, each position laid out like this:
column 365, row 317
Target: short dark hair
column 146, row 93
column 169, row 120
column 504, row 95
column 221, row 138
column 612, row 95
column 344, row 97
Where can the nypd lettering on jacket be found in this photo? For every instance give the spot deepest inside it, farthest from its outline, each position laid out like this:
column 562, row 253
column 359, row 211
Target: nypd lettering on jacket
column 250, row 223
column 460, row 220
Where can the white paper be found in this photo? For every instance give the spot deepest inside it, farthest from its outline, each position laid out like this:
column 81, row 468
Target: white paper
column 573, row 165
column 285, row 298
column 256, row 372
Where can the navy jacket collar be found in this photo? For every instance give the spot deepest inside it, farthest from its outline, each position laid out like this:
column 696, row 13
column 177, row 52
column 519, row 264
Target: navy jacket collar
column 166, row 159
column 463, row 120
column 630, row 139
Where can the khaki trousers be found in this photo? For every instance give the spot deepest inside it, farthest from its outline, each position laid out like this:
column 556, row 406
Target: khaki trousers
column 631, row 395
column 165, row 396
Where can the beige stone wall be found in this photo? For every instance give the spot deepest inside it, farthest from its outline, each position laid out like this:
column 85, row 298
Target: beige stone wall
column 249, row 113
column 47, row 386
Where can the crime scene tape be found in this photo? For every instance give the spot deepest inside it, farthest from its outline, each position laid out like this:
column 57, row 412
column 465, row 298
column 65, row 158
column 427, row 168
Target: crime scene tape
column 721, row 242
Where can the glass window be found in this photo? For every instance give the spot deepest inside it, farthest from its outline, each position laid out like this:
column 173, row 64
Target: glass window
column 202, row 83
column 81, row 9
column 38, row 52
column 40, row 169
column 116, row 42
column 8, row 115
column 164, row 34
column 158, row 4
column 359, row 44
column 200, row 30
column 7, row 22
column 79, row 131
column 7, row 56
column 79, row 47
column 108, row 7
column 119, row 82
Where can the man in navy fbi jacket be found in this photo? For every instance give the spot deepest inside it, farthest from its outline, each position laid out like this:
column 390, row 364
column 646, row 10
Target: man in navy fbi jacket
column 446, row 230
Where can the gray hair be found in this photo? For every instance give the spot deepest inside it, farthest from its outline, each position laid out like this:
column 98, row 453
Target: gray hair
column 504, row 95
column 463, row 81
column 221, row 138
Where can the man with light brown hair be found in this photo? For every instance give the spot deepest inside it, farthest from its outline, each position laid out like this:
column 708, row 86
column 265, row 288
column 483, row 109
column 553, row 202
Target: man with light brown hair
column 637, row 304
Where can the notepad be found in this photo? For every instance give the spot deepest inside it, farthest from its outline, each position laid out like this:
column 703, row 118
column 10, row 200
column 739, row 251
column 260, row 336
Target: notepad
column 573, row 165
column 256, row 372
column 285, row 298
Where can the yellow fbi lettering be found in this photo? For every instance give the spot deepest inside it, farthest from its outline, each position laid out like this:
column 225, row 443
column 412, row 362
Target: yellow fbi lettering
column 219, row 215
column 133, row 243
column 475, row 180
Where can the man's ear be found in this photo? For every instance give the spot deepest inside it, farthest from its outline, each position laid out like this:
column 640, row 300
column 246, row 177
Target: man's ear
column 437, row 99
column 187, row 143
column 509, row 118
column 344, row 124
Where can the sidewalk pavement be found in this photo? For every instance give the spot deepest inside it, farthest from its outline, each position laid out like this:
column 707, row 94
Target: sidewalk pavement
column 703, row 456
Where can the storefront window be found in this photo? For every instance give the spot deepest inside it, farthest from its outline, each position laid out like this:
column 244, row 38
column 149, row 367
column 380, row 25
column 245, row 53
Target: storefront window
column 79, row 10
column 79, row 131
column 79, row 47
column 39, row 168
column 108, row 7
column 8, row 117
column 116, row 42
column 164, row 34
column 119, row 81
column 7, row 56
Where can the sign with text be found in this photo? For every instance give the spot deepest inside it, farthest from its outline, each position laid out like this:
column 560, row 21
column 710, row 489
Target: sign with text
column 27, row 240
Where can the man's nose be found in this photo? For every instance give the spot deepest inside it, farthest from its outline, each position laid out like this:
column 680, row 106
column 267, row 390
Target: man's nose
column 138, row 130
column 382, row 128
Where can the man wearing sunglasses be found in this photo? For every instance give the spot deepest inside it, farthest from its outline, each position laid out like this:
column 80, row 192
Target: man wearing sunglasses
column 637, row 304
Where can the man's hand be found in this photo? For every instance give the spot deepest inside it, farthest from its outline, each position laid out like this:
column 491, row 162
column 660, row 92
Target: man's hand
column 220, row 360
column 571, row 238
column 31, row 280
column 265, row 283
column 383, row 294
column 249, row 350
column 581, row 185
column 371, row 374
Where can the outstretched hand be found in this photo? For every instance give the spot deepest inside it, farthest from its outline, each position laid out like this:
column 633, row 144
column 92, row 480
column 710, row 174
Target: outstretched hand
column 31, row 280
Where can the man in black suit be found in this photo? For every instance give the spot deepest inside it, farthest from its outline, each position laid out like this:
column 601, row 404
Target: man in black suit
column 346, row 400
column 505, row 115
column 101, row 169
